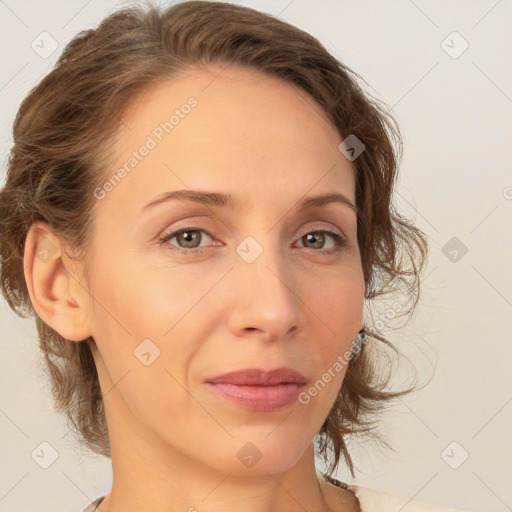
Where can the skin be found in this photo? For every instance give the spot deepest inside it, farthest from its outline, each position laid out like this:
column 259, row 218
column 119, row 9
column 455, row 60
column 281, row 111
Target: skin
column 267, row 144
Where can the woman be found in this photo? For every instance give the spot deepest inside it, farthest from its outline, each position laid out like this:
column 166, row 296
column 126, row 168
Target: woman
column 198, row 203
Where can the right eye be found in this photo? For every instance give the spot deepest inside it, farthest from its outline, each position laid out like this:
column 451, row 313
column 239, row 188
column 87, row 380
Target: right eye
column 188, row 239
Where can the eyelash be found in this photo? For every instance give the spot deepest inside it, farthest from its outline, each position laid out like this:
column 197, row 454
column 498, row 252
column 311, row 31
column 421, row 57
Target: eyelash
column 341, row 242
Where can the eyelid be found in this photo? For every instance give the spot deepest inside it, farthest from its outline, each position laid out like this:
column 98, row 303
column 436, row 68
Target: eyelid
column 317, row 227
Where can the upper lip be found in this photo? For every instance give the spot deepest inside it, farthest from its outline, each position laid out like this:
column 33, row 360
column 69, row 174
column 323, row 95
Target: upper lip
column 259, row 377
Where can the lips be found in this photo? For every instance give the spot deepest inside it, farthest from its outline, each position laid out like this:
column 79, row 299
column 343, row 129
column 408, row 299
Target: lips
column 259, row 390
column 259, row 377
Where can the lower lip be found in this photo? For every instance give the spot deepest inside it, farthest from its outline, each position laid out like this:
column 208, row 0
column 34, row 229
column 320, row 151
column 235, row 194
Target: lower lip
column 259, row 398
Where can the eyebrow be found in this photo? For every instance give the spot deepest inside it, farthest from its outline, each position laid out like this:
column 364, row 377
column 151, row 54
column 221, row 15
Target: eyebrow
column 225, row 200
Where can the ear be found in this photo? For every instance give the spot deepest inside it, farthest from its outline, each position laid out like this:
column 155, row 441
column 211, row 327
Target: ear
column 57, row 291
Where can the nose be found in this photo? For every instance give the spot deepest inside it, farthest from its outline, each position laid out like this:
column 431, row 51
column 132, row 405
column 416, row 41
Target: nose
column 264, row 299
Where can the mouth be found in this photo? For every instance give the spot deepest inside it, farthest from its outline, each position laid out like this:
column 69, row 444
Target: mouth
column 259, row 397
column 260, row 390
column 259, row 377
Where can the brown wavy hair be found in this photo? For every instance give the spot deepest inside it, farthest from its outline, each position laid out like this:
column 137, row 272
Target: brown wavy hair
column 62, row 135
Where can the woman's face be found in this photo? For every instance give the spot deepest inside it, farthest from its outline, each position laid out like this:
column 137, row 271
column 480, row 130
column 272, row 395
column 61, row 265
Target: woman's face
column 243, row 287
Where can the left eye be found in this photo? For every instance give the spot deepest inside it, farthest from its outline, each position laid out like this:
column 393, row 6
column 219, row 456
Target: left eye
column 189, row 239
column 313, row 236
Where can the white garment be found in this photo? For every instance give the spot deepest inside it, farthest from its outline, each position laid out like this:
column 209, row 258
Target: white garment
column 376, row 501
column 92, row 506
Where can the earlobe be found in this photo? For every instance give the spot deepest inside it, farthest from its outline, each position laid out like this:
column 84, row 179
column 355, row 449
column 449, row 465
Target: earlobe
column 52, row 284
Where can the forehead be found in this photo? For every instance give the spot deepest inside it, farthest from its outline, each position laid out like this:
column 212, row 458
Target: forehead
column 216, row 81
column 247, row 131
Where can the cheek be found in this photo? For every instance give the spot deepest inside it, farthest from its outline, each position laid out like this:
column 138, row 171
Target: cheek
column 337, row 311
column 341, row 308
column 339, row 301
column 148, row 313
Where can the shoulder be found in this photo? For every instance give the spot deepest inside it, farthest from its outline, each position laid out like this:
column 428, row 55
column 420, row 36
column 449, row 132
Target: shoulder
column 379, row 501
column 92, row 506
column 371, row 500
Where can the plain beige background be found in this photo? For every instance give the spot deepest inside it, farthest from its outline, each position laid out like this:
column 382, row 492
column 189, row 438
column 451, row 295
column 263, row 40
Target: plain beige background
column 454, row 106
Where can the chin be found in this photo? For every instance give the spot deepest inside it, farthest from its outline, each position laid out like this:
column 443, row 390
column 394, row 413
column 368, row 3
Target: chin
column 259, row 455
